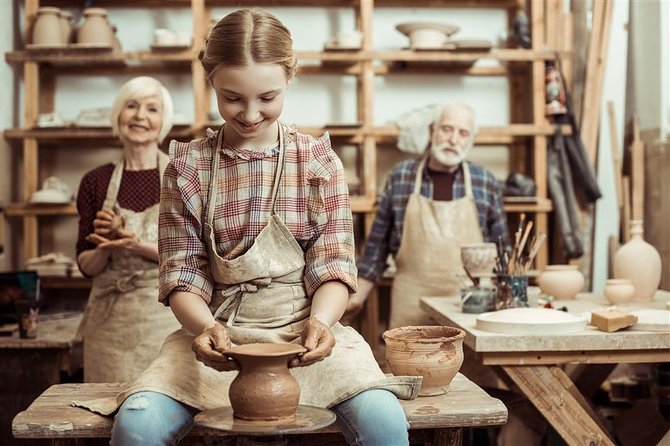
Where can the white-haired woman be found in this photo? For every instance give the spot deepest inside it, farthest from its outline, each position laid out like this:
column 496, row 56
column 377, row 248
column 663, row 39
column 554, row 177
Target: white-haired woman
column 124, row 324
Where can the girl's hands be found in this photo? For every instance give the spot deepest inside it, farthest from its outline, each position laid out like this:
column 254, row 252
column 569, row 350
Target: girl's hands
column 128, row 241
column 318, row 339
column 210, row 347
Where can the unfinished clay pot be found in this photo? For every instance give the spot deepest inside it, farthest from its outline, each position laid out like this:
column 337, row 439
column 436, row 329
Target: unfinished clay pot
column 433, row 352
column 264, row 389
column 561, row 281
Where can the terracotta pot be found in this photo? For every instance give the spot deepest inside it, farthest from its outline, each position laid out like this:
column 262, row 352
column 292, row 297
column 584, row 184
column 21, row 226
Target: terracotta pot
column 561, row 281
column 46, row 29
column 264, row 389
column 619, row 291
column 95, row 30
column 640, row 262
column 433, row 352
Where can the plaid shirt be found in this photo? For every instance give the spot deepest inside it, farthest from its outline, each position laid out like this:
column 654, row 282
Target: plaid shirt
column 312, row 201
column 387, row 228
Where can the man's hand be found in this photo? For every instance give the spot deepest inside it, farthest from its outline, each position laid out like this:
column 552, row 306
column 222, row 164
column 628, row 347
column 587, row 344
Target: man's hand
column 353, row 308
column 210, row 347
column 319, row 341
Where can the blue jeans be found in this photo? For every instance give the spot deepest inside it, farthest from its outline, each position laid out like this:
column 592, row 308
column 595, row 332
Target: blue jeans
column 371, row 418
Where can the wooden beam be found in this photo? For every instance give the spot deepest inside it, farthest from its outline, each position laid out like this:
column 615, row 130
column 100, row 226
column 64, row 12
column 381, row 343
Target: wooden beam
column 637, row 173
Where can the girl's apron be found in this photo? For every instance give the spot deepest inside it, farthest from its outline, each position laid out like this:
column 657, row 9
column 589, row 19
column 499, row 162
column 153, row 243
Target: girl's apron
column 260, row 297
column 124, row 325
column 429, row 259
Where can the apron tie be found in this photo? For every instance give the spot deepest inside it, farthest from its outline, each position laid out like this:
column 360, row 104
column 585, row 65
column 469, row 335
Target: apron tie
column 235, row 296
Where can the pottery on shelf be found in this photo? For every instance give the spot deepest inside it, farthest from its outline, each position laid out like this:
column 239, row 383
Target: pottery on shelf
column 96, row 29
column 264, row 389
column 433, row 352
column 65, row 20
column 561, row 281
column 619, row 291
column 640, row 262
column 47, row 27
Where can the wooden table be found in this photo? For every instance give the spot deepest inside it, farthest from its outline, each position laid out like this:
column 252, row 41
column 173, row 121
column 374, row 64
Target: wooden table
column 439, row 419
column 532, row 361
column 30, row 366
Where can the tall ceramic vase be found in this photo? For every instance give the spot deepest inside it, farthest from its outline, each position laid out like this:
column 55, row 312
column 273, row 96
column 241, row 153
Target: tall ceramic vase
column 264, row 389
column 640, row 262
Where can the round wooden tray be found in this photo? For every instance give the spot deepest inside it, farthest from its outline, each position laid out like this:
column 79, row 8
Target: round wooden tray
column 307, row 419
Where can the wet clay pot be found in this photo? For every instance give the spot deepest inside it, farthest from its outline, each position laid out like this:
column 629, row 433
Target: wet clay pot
column 433, row 352
column 264, row 389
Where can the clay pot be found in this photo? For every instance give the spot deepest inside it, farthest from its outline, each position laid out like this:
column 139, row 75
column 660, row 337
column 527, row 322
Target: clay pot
column 561, row 281
column 65, row 20
column 479, row 258
column 264, row 389
column 433, row 352
column 640, row 262
column 47, row 28
column 95, row 30
column 619, row 291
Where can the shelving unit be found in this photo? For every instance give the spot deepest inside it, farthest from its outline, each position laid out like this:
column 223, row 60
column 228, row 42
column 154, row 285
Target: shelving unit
column 525, row 136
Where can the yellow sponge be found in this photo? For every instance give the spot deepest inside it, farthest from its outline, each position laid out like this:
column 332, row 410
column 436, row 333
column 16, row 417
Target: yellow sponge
column 612, row 320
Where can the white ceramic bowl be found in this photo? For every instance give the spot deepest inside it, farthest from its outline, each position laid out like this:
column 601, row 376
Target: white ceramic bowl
column 619, row 291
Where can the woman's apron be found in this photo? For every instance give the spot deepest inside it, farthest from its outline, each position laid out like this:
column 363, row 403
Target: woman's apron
column 124, row 325
column 429, row 259
column 260, row 297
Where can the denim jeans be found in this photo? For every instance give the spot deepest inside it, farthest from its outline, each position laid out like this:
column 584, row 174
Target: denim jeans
column 371, row 418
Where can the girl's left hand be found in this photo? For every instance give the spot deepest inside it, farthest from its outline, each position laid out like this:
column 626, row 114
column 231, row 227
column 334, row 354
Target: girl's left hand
column 318, row 339
column 128, row 242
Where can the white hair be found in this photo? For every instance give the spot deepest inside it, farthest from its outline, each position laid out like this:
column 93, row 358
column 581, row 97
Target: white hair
column 456, row 106
column 139, row 88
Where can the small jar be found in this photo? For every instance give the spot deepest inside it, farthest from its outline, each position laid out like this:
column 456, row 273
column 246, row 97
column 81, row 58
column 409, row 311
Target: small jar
column 47, row 28
column 561, row 281
column 65, row 20
column 619, row 291
column 95, row 30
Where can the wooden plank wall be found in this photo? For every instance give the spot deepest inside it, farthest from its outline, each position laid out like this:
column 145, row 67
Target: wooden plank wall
column 657, row 204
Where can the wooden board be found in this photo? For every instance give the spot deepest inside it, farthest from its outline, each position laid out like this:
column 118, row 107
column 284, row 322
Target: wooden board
column 52, row 415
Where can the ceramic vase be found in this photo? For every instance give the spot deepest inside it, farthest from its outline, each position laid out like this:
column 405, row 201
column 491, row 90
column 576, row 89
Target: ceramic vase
column 95, row 30
column 433, row 352
column 47, row 28
column 561, row 281
column 640, row 262
column 619, row 291
column 65, row 20
column 264, row 389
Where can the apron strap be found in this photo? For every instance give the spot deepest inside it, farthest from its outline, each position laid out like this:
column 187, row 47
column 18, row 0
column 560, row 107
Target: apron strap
column 235, row 296
column 419, row 175
column 467, row 180
column 280, row 168
column 117, row 174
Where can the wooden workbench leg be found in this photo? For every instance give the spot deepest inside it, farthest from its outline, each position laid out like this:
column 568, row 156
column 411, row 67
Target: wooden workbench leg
column 560, row 402
column 448, row 437
column 65, row 442
column 371, row 322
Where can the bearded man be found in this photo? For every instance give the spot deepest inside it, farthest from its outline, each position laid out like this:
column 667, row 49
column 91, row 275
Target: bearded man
column 428, row 209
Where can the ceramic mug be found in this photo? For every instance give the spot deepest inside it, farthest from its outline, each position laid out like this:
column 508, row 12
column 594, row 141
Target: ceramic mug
column 164, row 37
column 349, row 39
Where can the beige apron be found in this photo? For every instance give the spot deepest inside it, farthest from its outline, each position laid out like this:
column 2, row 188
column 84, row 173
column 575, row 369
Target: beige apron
column 124, row 325
column 260, row 297
column 429, row 259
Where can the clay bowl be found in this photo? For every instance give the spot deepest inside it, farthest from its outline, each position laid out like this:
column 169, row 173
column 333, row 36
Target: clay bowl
column 619, row 291
column 561, row 281
column 264, row 389
column 433, row 352
column 479, row 258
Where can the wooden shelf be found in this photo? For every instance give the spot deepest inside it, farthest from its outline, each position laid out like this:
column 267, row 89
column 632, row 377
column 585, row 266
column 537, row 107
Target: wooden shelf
column 51, row 282
column 61, row 134
column 40, row 210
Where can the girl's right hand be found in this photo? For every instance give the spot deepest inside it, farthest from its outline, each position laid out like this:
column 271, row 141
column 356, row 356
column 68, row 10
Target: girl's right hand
column 210, row 347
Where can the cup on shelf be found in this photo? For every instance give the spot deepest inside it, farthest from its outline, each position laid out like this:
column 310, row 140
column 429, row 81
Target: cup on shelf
column 164, row 37
column 347, row 40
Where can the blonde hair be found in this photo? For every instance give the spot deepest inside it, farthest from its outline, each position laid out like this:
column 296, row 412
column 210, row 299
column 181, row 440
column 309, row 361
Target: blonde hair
column 249, row 35
column 139, row 88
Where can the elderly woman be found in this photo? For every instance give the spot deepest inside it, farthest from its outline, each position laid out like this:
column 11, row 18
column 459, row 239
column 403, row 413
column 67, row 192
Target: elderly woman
column 124, row 324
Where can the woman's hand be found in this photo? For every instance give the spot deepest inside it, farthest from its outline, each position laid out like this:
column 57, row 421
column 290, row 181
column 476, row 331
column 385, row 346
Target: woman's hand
column 318, row 339
column 210, row 347
column 128, row 242
column 102, row 224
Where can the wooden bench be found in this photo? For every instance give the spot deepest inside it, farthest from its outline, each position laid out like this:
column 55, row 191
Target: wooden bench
column 436, row 420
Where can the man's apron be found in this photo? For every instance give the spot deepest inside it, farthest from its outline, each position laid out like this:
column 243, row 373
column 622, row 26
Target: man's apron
column 260, row 297
column 124, row 325
column 429, row 259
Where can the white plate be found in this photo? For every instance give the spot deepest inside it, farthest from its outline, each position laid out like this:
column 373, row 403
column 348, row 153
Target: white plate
column 652, row 320
column 531, row 321
column 408, row 28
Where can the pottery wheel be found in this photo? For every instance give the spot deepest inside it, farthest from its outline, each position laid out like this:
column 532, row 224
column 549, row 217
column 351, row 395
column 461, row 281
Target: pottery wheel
column 307, row 419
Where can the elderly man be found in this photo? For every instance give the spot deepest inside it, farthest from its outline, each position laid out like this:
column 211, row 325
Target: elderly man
column 428, row 209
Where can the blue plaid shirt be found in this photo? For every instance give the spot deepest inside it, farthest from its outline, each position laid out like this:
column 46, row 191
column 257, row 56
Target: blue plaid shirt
column 388, row 225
